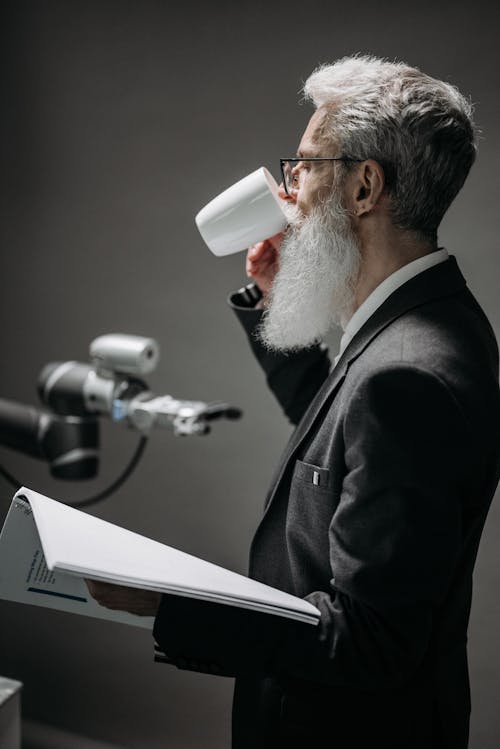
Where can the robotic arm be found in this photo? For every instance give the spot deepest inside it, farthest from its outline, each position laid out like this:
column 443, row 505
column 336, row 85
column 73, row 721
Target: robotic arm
column 77, row 394
column 69, row 444
column 112, row 386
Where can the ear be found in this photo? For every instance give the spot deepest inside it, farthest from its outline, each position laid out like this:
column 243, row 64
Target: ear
column 367, row 187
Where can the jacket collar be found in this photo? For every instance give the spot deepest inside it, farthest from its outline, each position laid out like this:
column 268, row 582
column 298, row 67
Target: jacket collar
column 436, row 282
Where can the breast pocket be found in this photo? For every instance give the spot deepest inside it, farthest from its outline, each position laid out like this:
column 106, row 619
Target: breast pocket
column 309, row 513
column 309, row 474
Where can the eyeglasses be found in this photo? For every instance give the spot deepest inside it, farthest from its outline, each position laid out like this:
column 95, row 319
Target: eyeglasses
column 289, row 166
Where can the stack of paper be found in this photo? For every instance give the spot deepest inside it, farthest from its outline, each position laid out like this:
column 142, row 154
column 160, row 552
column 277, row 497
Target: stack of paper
column 47, row 548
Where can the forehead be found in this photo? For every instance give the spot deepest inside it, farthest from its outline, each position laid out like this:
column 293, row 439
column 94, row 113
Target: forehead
column 316, row 137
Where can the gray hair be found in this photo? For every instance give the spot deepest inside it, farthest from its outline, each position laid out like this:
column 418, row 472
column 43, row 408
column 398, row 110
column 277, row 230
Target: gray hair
column 418, row 128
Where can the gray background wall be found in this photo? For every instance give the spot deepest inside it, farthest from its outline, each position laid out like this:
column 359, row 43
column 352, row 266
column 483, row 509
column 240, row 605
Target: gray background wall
column 119, row 121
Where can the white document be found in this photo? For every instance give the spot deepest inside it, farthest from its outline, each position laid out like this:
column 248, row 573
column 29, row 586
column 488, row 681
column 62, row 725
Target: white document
column 47, row 548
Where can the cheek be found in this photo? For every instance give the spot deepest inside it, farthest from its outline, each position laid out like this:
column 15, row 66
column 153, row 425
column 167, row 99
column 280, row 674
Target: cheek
column 306, row 204
column 302, row 206
column 305, row 200
column 310, row 193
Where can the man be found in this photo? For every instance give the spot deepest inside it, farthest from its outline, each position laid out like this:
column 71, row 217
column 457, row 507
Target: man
column 377, row 507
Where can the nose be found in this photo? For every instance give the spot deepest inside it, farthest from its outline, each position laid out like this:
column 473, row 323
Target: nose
column 282, row 193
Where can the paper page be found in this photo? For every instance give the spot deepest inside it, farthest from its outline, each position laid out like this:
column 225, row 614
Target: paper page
column 26, row 578
column 77, row 542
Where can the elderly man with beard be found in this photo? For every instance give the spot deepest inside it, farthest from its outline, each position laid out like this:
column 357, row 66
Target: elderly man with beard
column 379, row 501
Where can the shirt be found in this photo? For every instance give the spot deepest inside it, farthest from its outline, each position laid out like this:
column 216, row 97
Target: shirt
column 383, row 291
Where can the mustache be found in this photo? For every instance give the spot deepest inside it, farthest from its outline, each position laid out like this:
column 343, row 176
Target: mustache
column 294, row 216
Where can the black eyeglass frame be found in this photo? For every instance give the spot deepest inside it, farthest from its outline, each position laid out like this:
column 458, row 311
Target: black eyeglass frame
column 298, row 159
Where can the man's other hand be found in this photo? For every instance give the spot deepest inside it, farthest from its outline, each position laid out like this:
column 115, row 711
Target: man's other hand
column 121, row 598
column 262, row 262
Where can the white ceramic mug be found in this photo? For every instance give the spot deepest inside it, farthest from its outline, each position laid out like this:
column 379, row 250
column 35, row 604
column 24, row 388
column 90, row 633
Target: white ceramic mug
column 247, row 212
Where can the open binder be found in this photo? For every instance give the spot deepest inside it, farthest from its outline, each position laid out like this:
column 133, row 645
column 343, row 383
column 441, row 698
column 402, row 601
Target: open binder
column 47, row 549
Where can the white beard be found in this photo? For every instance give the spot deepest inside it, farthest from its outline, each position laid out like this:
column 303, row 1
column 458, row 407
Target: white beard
column 314, row 286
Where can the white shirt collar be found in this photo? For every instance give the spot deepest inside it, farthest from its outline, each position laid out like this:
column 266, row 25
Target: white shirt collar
column 384, row 290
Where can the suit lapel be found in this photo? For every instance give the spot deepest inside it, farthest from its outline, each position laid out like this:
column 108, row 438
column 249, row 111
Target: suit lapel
column 437, row 282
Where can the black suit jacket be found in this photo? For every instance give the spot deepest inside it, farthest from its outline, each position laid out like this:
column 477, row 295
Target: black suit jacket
column 375, row 516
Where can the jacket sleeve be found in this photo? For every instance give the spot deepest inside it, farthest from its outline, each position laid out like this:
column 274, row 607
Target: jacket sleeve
column 294, row 378
column 216, row 638
column 395, row 539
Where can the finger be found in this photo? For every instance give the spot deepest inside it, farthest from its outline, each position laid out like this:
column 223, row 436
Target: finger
column 255, row 270
column 276, row 239
column 98, row 588
column 122, row 598
column 92, row 587
column 259, row 255
column 116, row 602
column 255, row 251
column 258, row 251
